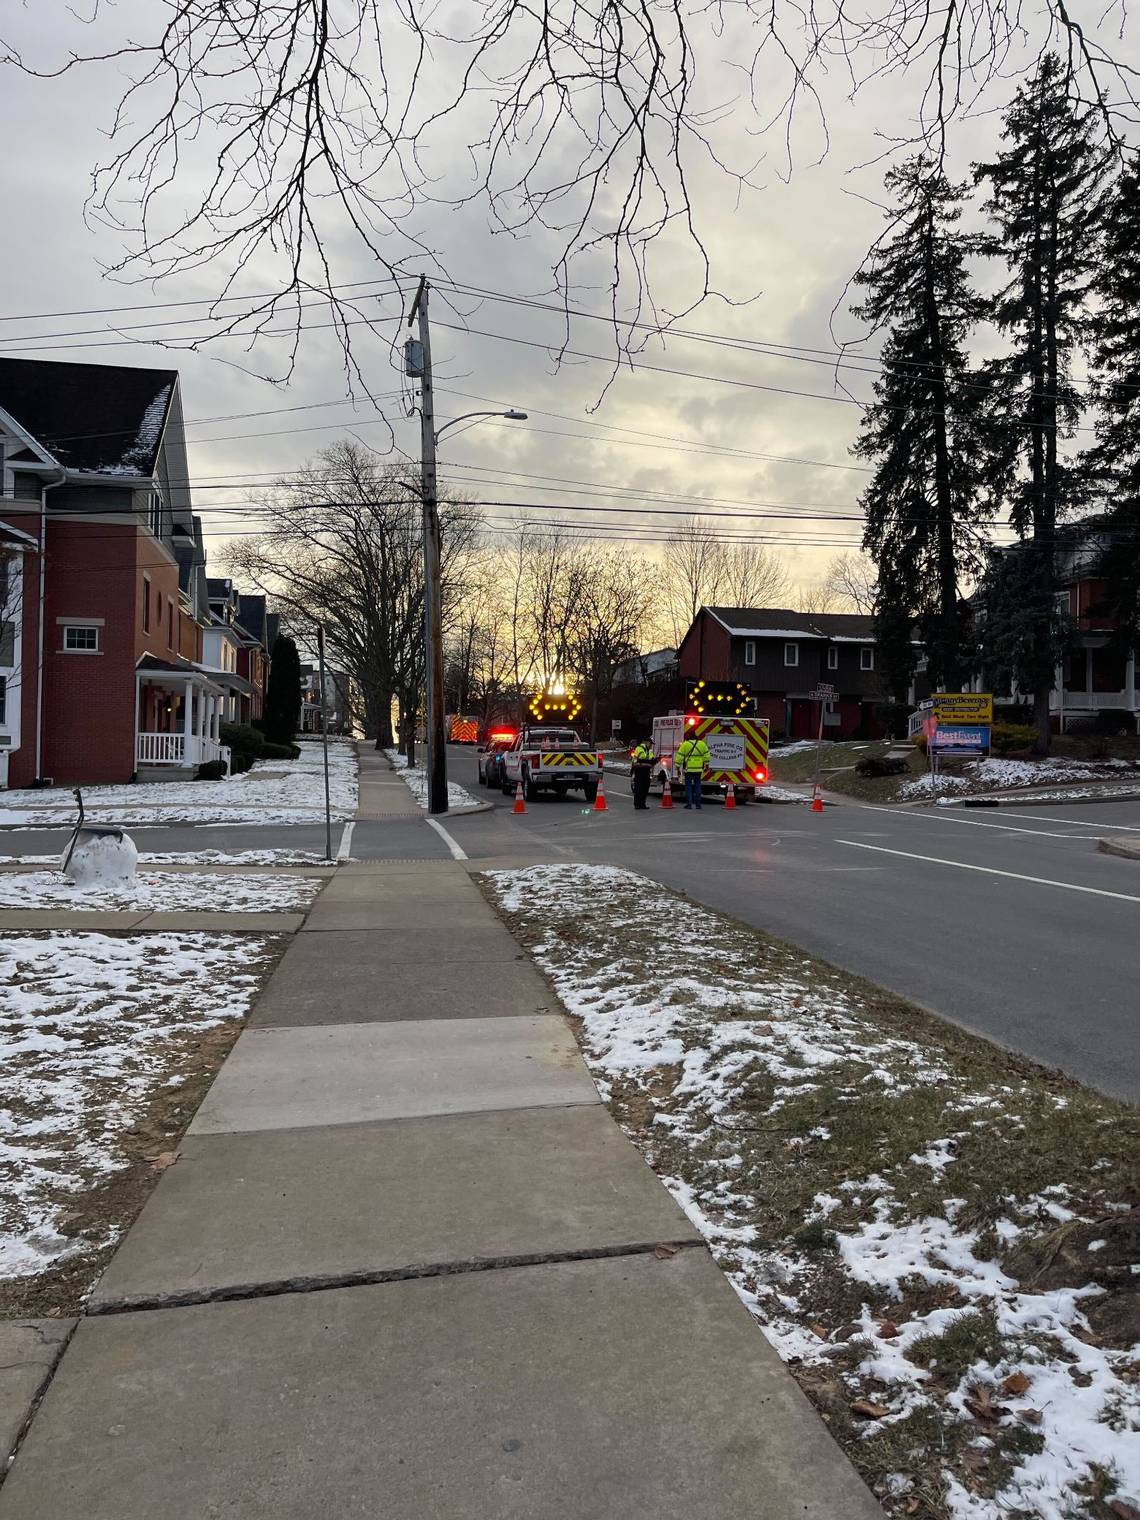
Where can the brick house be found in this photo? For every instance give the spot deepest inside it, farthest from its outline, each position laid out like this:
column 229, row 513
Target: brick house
column 1098, row 674
column 781, row 655
column 104, row 629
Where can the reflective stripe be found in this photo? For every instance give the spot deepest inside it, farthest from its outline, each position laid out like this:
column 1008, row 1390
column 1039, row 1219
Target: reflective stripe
column 563, row 758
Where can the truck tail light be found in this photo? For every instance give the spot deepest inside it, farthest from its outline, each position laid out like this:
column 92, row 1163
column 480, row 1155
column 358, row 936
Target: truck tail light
column 761, row 775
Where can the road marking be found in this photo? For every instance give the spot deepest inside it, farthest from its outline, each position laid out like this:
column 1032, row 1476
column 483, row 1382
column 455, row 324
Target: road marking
column 977, row 823
column 344, row 849
column 1041, row 881
column 1103, row 828
column 456, row 852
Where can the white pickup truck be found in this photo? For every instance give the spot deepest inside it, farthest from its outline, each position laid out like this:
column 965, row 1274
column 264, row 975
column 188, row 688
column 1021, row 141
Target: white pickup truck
column 551, row 760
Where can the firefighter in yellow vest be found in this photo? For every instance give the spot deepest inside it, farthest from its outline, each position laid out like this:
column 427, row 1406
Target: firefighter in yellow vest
column 693, row 760
column 643, row 760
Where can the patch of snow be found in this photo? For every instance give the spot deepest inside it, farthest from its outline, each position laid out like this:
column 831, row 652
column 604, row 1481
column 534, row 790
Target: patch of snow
column 416, row 780
column 274, row 791
column 162, row 891
column 281, row 857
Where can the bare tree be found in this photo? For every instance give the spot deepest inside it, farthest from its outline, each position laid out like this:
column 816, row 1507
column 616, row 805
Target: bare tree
column 616, row 598
column 751, row 575
column 851, row 581
column 816, row 596
column 702, row 569
column 342, row 545
column 278, row 131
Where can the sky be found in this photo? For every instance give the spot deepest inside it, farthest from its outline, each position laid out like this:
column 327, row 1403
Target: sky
column 734, row 421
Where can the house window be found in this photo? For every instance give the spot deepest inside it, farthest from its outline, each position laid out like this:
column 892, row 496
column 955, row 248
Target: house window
column 7, row 644
column 3, row 699
column 146, row 603
column 81, row 638
column 750, row 652
column 791, row 654
column 170, row 622
column 866, row 659
column 832, row 657
column 154, row 516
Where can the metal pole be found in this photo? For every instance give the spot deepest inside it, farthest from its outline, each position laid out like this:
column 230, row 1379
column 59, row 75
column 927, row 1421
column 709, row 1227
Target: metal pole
column 324, row 738
column 435, row 740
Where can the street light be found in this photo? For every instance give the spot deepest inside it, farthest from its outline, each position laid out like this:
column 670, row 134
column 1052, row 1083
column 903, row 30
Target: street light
column 417, row 364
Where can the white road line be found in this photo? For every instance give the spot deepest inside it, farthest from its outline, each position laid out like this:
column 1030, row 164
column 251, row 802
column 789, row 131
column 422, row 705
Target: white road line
column 456, row 852
column 977, row 823
column 1041, row 881
column 1103, row 828
column 344, row 849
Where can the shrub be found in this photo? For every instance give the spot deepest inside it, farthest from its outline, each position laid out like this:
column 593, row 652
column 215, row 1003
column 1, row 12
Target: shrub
column 892, row 718
column 1007, row 738
column 210, row 770
column 246, row 745
column 279, row 751
column 875, row 765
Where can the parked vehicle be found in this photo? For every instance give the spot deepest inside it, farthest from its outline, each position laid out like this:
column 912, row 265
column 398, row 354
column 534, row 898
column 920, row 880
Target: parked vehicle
column 462, row 730
column 738, row 753
column 489, row 759
column 551, row 760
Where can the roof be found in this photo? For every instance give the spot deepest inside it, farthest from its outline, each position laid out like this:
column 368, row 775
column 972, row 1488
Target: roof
column 780, row 622
column 251, row 614
column 101, row 419
column 16, row 538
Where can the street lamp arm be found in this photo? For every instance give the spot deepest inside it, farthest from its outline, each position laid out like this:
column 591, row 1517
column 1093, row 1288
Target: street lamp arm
column 513, row 416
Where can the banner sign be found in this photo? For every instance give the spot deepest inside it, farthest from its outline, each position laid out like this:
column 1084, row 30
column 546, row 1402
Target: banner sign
column 962, row 739
column 972, row 707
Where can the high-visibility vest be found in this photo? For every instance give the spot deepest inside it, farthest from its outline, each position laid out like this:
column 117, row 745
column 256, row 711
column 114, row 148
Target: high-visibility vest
column 693, row 755
column 643, row 755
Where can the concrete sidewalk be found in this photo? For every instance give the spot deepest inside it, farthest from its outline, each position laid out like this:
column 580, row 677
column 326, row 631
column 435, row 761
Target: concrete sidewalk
column 406, row 1265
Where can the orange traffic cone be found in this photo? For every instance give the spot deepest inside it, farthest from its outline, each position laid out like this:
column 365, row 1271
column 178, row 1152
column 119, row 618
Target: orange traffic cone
column 600, row 800
column 816, row 801
column 666, row 793
column 730, row 796
column 520, row 803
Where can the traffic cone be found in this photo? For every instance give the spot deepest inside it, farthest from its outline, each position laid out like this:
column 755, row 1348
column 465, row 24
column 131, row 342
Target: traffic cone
column 667, row 793
column 520, row 802
column 730, row 796
column 600, row 805
column 816, row 801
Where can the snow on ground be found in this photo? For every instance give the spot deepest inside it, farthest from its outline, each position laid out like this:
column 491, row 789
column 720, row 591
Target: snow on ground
column 721, row 1040
column 284, row 857
column 416, row 779
column 997, row 773
column 91, row 1028
column 1112, row 792
column 274, row 791
column 162, row 892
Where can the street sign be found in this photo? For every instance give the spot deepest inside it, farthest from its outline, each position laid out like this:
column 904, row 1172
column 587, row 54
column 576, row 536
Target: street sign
column 822, row 693
column 962, row 739
column 973, row 707
column 615, row 725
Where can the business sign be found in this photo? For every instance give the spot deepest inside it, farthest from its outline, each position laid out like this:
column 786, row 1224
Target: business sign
column 726, row 752
column 962, row 739
column 822, row 693
column 972, row 707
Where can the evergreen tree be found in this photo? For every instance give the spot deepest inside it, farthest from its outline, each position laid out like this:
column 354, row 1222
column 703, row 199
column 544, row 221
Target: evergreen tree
column 283, row 692
column 1045, row 202
column 1113, row 465
column 922, row 504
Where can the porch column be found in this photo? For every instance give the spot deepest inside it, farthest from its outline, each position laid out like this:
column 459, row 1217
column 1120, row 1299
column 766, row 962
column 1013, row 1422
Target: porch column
column 216, row 716
column 188, row 723
column 1130, row 679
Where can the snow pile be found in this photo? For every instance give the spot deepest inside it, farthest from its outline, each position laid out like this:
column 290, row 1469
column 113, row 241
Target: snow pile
column 416, row 779
column 274, row 791
column 723, row 1045
column 100, row 860
column 162, row 892
column 999, row 774
column 91, row 1027
column 927, row 785
column 280, row 857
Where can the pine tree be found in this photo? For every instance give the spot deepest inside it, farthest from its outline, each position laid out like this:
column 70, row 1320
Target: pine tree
column 1045, row 202
column 283, row 692
column 922, row 504
column 1113, row 465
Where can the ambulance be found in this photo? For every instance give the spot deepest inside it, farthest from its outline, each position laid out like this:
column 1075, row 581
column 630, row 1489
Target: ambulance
column 738, row 746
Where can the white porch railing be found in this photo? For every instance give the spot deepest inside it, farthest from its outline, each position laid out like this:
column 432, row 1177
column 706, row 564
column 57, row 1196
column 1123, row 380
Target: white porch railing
column 174, row 749
column 1093, row 701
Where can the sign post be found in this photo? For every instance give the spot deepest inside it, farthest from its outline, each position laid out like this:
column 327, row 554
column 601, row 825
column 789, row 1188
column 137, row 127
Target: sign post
column 823, row 694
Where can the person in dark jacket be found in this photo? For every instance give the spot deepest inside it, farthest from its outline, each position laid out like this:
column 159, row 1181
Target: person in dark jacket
column 643, row 760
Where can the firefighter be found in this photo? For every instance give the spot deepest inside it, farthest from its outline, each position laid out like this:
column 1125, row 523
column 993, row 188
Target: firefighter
column 693, row 758
column 643, row 760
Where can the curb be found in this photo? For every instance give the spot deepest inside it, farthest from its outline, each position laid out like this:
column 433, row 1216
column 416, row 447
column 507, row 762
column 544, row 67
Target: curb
column 1129, row 794
column 466, row 812
column 1127, row 849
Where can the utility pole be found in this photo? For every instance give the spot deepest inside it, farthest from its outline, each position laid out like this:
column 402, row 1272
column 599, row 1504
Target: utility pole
column 324, row 737
column 436, row 744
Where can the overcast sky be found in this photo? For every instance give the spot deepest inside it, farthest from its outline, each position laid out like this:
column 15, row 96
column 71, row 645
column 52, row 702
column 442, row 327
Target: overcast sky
column 790, row 245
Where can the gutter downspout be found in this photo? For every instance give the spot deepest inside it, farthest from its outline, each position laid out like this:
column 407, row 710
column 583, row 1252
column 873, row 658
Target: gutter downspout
column 44, row 489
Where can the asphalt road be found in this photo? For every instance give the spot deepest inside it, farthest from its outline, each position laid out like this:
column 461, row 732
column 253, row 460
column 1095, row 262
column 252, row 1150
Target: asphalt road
column 1008, row 921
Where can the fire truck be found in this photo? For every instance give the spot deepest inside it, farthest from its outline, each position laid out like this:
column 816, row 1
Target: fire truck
column 717, row 712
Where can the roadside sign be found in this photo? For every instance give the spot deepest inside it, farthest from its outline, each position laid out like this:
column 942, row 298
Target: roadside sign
column 822, row 693
column 961, row 739
column 970, row 707
column 615, row 725
column 929, row 726
column 726, row 752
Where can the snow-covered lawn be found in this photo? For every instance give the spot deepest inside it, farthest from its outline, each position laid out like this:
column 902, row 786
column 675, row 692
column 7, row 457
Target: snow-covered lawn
column 416, row 779
column 938, row 1238
column 274, row 791
column 998, row 774
column 281, row 857
column 162, row 892
column 105, row 1045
